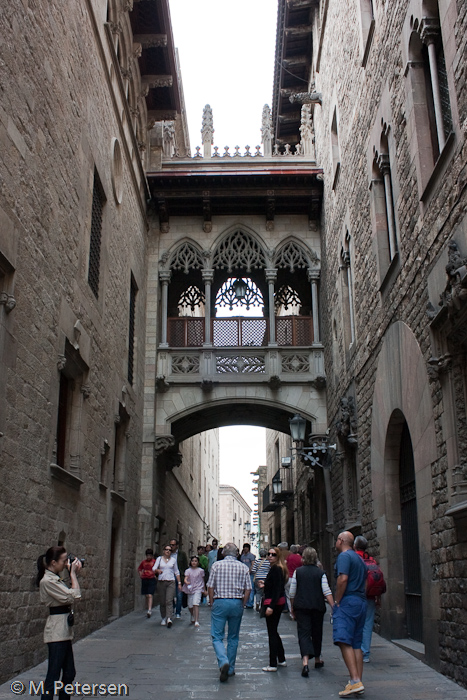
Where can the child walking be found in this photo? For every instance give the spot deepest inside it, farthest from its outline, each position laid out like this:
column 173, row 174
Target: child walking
column 194, row 587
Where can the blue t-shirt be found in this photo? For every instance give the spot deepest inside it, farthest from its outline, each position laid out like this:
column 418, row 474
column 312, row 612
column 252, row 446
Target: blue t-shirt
column 351, row 564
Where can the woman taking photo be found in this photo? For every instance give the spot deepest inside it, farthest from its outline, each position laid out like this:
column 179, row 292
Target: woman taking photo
column 274, row 601
column 166, row 568
column 58, row 631
column 308, row 590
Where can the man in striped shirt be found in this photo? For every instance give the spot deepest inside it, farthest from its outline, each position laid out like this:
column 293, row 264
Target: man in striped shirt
column 260, row 570
column 229, row 587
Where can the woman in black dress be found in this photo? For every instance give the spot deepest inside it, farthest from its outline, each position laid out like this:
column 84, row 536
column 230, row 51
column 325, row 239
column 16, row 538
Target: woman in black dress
column 274, row 601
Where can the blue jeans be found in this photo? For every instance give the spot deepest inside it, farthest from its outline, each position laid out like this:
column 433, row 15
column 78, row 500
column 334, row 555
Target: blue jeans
column 230, row 611
column 368, row 627
column 251, row 599
column 179, row 597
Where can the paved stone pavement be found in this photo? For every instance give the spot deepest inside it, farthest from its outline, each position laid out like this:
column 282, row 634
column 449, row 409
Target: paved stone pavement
column 179, row 663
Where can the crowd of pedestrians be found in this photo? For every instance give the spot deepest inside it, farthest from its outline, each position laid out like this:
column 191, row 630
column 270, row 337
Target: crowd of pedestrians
column 281, row 579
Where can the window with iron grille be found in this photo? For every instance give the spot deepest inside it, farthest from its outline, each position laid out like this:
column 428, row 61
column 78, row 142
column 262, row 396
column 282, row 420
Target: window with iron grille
column 131, row 329
column 98, row 201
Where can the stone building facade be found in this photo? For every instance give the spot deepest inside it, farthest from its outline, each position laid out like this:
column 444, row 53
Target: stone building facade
column 234, row 514
column 386, row 83
column 83, row 110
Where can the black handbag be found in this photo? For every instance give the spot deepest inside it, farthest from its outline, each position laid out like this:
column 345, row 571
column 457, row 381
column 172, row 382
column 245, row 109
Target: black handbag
column 262, row 609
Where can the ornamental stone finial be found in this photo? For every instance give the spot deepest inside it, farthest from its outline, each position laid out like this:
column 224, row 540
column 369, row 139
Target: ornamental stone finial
column 306, row 131
column 168, row 138
column 266, row 131
column 207, row 131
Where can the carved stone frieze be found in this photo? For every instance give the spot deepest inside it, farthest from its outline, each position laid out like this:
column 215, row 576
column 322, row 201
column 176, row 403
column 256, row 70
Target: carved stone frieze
column 61, row 362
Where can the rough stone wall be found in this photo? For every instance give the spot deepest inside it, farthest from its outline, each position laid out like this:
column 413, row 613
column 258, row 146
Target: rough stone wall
column 57, row 121
column 363, row 96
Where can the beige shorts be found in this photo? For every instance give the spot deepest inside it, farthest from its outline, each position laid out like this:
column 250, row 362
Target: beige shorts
column 194, row 599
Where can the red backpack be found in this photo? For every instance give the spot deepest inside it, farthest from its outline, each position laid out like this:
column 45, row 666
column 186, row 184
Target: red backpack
column 375, row 583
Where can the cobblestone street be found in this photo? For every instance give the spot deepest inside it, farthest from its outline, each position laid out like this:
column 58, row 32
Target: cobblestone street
column 180, row 663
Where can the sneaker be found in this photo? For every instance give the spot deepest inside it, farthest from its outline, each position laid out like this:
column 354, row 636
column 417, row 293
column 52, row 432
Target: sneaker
column 169, row 622
column 270, row 669
column 352, row 688
column 224, row 672
column 163, row 622
column 196, row 624
column 282, row 663
column 177, row 616
column 148, row 614
column 366, row 659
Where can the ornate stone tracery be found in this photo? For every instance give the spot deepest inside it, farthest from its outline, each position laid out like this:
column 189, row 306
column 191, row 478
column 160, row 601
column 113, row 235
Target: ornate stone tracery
column 191, row 298
column 239, row 251
column 226, row 297
column 186, row 258
column 293, row 256
column 285, row 297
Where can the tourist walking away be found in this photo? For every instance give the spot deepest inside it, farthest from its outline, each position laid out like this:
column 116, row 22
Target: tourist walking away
column 228, row 590
column 273, row 603
column 212, row 555
column 293, row 561
column 308, row 590
column 260, row 570
column 350, row 611
column 182, row 563
column 194, row 586
column 148, row 580
column 375, row 587
column 248, row 559
column 168, row 573
column 58, row 631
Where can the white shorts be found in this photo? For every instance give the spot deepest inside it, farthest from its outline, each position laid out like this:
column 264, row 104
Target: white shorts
column 194, row 599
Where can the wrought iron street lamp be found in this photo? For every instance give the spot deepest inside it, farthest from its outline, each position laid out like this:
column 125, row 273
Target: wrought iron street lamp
column 277, row 485
column 248, row 527
column 297, row 428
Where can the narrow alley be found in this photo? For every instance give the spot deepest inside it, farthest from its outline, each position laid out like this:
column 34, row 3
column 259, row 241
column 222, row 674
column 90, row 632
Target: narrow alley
column 177, row 663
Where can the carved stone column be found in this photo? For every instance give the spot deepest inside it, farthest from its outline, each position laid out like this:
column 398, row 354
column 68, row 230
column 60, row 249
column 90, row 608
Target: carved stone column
column 208, row 276
column 429, row 32
column 313, row 276
column 164, row 277
column 385, row 168
column 271, row 276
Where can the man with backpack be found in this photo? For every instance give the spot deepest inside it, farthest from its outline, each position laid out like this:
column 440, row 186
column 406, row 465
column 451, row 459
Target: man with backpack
column 375, row 587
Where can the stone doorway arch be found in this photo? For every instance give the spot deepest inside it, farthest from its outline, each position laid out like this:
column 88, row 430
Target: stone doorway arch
column 402, row 393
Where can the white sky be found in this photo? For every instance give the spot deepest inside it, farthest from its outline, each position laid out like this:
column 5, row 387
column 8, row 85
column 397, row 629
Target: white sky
column 242, row 450
column 226, row 50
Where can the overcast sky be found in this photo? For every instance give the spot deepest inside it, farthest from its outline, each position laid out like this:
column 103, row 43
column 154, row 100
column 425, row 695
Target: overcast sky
column 226, row 50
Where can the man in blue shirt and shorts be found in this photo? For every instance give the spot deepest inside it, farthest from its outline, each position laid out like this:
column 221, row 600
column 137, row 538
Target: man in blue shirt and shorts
column 350, row 611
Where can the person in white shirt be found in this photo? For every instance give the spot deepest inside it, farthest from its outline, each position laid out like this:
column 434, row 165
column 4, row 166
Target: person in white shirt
column 167, row 571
